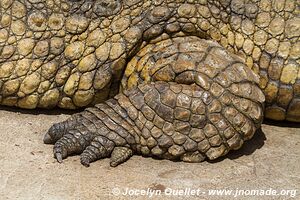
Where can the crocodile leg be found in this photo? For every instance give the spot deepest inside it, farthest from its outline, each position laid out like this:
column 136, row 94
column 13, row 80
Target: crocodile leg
column 163, row 120
column 191, row 102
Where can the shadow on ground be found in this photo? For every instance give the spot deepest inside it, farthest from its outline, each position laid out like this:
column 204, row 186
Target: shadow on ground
column 282, row 123
column 248, row 148
column 38, row 111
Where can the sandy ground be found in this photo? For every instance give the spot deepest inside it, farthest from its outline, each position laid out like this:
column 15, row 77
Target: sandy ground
column 28, row 170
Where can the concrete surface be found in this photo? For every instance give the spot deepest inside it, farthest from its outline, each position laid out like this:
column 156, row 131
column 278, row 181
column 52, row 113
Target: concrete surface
column 28, row 170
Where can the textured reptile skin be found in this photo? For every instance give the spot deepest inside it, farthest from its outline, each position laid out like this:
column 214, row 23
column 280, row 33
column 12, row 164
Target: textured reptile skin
column 214, row 68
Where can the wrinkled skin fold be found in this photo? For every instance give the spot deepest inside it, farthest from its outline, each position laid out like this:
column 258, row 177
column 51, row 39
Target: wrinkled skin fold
column 185, row 80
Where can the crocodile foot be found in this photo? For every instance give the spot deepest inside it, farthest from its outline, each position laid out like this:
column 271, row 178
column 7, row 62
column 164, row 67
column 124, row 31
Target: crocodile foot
column 89, row 134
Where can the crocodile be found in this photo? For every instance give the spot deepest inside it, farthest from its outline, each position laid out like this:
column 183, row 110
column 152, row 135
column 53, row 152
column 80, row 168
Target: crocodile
column 185, row 80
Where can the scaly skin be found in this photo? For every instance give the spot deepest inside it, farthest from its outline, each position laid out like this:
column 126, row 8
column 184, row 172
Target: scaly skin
column 202, row 111
column 74, row 54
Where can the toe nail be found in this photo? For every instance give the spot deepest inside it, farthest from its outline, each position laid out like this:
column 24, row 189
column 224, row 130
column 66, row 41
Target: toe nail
column 85, row 162
column 47, row 139
column 58, row 157
column 113, row 164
